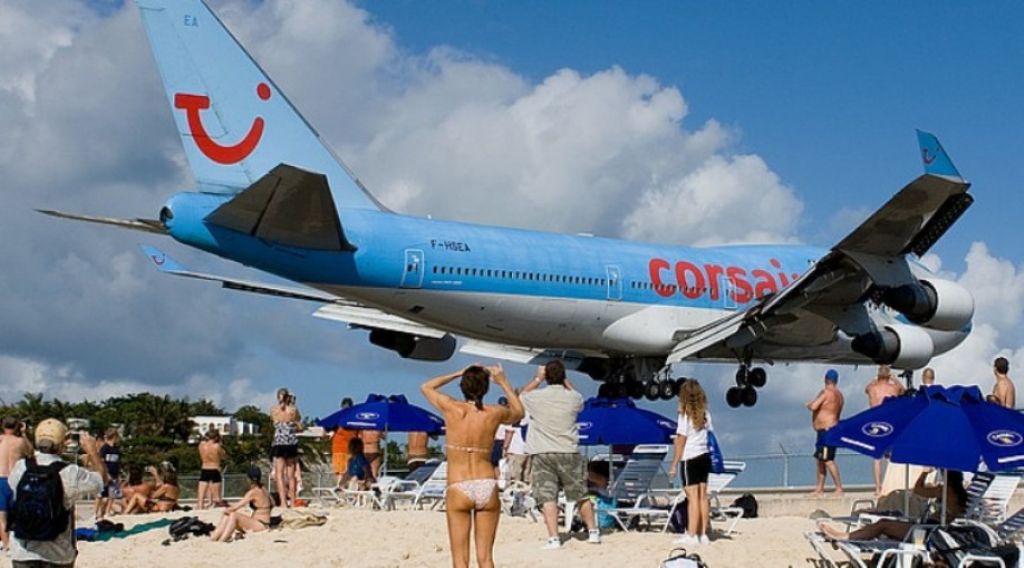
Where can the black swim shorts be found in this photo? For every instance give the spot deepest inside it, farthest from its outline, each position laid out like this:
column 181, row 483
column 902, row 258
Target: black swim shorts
column 821, row 451
column 696, row 470
column 287, row 452
column 209, row 476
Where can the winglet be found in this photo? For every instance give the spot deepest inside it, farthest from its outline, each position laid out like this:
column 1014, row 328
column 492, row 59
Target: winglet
column 163, row 262
column 936, row 160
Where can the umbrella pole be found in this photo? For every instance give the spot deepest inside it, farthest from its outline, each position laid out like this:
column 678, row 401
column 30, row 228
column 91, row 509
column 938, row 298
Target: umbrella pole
column 906, row 490
column 945, row 492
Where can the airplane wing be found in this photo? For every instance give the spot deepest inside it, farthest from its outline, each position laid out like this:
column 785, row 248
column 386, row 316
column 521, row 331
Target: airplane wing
column 336, row 308
column 873, row 256
column 517, row 354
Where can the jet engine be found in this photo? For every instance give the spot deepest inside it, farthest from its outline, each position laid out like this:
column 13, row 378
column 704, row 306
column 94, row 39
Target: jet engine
column 409, row 346
column 934, row 303
column 902, row 346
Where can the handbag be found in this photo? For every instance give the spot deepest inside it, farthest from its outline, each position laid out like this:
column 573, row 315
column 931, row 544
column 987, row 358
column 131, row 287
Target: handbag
column 717, row 461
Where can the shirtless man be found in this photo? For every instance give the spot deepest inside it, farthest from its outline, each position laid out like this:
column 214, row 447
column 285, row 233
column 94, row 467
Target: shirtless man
column 1003, row 391
column 825, row 412
column 371, row 448
column 417, row 452
column 211, row 453
column 928, row 377
column 880, row 388
column 13, row 447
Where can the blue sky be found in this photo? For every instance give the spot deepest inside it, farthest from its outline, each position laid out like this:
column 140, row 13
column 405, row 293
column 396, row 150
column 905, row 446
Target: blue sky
column 810, row 108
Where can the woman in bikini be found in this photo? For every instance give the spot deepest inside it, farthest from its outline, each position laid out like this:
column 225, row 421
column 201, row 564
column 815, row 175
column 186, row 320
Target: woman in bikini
column 257, row 520
column 164, row 497
column 472, row 498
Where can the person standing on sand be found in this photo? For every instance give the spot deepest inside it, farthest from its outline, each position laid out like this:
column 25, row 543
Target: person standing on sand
column 472, row 500
column 880, row 388
column 339, row 445
column 285, row 447
column 211, row 454
column 552, row 442
column 1003, row 391
column 825, row 411
column 13, row 447
column 77, row 483
column 371, row 448
column 417, row 451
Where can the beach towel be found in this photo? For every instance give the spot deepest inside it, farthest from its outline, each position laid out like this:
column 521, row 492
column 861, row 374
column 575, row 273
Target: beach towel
column 105, row 530
column 293, row 519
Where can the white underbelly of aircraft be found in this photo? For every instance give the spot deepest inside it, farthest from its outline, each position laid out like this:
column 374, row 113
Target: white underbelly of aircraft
column 534, row 321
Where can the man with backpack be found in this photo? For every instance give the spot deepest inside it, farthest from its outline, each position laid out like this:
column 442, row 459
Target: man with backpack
column 45, row 491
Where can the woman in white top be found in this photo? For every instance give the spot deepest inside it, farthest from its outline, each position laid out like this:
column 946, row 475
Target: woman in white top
column 691, row 445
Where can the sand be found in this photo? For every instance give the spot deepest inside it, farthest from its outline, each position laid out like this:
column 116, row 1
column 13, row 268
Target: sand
column 365, row 539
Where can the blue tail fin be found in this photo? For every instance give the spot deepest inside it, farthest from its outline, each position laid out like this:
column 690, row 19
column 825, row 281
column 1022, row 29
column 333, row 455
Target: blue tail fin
column 935, row 159
column 235, row 124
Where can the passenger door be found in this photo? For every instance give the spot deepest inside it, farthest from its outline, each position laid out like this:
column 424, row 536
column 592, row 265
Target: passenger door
column 412, row 274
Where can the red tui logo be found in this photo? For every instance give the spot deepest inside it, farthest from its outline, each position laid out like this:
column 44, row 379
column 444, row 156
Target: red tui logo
column 193, row 104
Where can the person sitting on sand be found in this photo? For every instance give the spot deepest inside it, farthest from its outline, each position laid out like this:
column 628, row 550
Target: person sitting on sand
column 136, row 485
column 359, row 473
column 956, row 504
column 211, row 453
column 472, row 497
column 260, row 505
column 165, row 494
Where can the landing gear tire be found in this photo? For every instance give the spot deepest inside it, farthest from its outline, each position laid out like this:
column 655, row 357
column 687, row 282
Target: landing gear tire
column 635, row 390
column 742, row 375
column 757, row 377
column 652, row 391
column 734, row 397
column 668, row 389
column 749, row 396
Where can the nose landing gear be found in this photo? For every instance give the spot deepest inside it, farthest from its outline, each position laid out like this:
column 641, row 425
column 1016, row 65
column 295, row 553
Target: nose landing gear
column 747, row 382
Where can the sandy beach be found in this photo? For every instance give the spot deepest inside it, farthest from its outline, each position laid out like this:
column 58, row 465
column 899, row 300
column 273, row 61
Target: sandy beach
column 354, row 537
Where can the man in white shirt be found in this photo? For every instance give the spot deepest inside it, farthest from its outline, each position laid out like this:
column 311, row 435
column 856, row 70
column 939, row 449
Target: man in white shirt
column 78, row 483
column 552, row 442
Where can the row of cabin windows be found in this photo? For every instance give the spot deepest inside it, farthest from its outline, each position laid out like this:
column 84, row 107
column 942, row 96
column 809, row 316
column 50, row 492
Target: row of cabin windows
column 520, row 275
column 638, row 285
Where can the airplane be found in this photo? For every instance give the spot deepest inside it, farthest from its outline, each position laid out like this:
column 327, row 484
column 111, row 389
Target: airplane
column 270, row 194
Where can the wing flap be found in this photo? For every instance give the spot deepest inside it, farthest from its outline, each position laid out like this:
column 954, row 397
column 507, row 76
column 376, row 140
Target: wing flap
column 362, row 316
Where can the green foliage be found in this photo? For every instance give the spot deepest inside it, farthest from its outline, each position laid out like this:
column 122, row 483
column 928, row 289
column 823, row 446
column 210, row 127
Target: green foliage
column 156, row 428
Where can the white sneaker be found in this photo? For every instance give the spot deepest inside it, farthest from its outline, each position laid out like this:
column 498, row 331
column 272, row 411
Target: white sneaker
column 594, row 536
column 703, row 539
column 686, row 539
column 553, row 543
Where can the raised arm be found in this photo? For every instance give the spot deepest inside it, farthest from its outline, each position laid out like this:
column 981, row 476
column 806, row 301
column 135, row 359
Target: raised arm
column 536, row 382
column 924, row 490
column 815, row 404
column 514, row 413
column 431, row 391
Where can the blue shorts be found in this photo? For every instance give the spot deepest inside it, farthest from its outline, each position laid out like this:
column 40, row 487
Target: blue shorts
column 6, row 495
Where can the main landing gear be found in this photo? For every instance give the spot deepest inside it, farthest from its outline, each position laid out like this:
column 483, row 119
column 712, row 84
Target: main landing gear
column 748, row 380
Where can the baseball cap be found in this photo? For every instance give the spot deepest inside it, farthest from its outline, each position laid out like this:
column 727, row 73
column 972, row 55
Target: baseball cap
column 832, row 375
column 51, row 430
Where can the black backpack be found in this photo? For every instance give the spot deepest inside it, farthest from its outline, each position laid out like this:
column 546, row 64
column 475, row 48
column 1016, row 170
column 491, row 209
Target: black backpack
column 678, row 522
column 39, row 512
column 748, row 503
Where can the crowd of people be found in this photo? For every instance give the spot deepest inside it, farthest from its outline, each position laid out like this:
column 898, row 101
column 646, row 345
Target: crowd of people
column 530, row 436
column 827, row 409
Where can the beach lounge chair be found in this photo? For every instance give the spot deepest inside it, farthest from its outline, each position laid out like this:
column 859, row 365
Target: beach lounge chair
column 411, row 486
column 861, row 554
column 650, row 509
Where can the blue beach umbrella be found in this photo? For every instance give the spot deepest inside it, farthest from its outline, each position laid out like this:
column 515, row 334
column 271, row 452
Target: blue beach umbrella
column 950, row 428
column 606, row 421
column 386, row 413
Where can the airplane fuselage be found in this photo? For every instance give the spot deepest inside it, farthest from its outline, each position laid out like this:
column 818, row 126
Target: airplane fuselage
column 594, row 295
